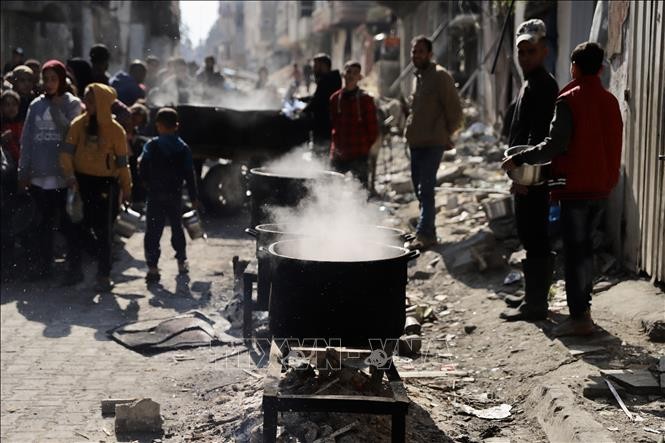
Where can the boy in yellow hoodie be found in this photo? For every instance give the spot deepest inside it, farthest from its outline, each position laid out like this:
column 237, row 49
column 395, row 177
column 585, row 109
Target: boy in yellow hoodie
column 94, row 158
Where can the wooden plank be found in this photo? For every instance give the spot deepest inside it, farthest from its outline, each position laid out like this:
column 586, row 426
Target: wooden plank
column 432, row 374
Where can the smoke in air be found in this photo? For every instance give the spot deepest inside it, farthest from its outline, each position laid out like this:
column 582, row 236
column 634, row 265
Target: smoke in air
column 335, row 218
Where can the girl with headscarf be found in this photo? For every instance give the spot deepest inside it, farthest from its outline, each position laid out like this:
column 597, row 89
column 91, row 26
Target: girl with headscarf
column 39, row 172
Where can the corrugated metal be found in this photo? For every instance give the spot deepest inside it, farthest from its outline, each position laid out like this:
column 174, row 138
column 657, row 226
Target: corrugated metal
column 643, row 141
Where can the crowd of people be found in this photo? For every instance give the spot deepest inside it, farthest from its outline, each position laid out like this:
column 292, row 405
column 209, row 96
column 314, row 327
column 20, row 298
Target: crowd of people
column 72, row 131
column 72, row 128
column 572, row 128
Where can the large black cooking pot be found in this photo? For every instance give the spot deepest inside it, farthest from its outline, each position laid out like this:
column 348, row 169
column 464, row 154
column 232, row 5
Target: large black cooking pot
column 270, row 187
column 266, row 234
column 355, row 302
column 215, row 132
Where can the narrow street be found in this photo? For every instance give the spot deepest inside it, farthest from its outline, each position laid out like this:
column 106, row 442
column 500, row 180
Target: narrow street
column 58, row 362
column 332, row 221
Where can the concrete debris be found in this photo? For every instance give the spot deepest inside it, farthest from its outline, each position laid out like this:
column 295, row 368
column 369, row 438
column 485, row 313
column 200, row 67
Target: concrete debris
column 512, row 277
column 476, row 252
column 140, row 416
column 517, row 257
column 579, row 350
column 337, row 433
column 402, row 184
column 410, row 345
column 449, row 174
column 108, row 406
column 638, row 381
column 475, row 131
column 494, row 413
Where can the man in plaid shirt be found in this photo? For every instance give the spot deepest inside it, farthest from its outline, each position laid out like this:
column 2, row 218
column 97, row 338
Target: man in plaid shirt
column 354, row 125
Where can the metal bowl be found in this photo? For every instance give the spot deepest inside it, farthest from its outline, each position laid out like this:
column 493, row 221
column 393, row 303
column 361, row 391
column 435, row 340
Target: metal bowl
column 527, row 174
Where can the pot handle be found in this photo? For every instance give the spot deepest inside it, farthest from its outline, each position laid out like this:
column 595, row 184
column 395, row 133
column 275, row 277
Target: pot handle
column 251, row 231
column 412, row 254
column 408, row 237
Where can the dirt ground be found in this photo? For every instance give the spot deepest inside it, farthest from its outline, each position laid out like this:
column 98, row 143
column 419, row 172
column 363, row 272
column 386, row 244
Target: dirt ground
column 491, row 362
column 214, row 394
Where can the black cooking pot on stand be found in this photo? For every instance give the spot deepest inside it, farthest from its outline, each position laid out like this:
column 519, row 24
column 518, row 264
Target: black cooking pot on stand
column 353, row 303
column 266, row 234
column 269, row 188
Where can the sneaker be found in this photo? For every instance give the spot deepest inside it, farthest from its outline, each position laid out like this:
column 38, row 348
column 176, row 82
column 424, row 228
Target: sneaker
column 578, row 327
column 152, row 276
column 422, row 242
column 183, row 267
column 104, row 284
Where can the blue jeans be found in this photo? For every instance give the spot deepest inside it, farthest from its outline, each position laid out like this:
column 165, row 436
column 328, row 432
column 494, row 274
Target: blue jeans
column 161, row 209
column 579, row 219
column 425, row 162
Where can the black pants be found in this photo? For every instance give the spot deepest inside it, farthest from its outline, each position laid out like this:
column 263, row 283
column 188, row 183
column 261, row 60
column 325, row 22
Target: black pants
column 579, row 219
column 532, row 220
column 138, row 188
column 8, row 239
column 98, row 195
column 359, row 167
column 159, row 210
column 51, row 205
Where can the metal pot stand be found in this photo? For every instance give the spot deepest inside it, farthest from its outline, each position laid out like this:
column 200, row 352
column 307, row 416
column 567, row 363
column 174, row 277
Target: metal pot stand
column 274, row 400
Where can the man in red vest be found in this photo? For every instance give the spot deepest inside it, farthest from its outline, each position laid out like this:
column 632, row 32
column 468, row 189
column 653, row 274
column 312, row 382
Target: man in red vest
column 584, row 146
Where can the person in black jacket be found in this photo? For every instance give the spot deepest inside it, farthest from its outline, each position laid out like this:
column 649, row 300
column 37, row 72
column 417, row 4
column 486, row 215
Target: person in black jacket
column 533, row 111
column 318, row 108
column 165, row 163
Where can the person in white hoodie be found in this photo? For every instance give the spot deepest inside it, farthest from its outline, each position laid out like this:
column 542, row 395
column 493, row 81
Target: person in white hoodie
column 39, row 170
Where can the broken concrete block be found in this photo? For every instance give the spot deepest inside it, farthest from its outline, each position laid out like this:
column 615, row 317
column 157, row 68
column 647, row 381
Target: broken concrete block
column 410, row 345
column 108, row 405
column 449, row 174
column 516, row 258
column 476, row 252
column 140, row 416
column 595, row 387
column 402, row 184
column 638, row 381
column 655, row 329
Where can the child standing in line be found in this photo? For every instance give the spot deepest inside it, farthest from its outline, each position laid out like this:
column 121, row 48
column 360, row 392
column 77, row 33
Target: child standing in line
column 165, row 164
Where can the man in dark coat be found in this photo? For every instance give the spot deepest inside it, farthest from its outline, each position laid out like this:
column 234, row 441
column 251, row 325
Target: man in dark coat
column 318, row 108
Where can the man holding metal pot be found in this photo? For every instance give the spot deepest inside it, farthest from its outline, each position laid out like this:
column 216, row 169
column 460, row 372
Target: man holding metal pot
column 532, row 113
column 584, row 145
